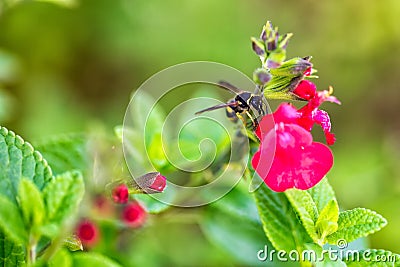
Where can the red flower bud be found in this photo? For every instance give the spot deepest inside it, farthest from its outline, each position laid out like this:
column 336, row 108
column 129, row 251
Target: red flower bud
column 134, row 215
column 159, row 183
column 150, row 183
column 87, row 232
column 120, row 194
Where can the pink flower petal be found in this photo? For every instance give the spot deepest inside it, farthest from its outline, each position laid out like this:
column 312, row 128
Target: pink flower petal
column 298, row 162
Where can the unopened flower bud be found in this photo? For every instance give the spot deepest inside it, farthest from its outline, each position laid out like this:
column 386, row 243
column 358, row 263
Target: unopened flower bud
column 87, row 232
column 120, row 194
column 258, row 47
column 293, row 67
column 150, row 183
column 134, row 215
column 261, row 76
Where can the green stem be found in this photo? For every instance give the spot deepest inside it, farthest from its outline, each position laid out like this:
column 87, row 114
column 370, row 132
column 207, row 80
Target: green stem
column 31, row 253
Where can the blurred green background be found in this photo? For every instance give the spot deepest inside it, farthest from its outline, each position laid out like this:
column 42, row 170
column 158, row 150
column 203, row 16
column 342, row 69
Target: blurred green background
column 65, row 66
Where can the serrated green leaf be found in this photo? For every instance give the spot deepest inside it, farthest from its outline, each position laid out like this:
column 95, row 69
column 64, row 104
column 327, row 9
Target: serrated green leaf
column 19, row 159
column 373, row 258
column 11, row 221
column 280, row 222
column 327, row 220
column 11, row 254
column 62, row 196
column 322, row 259
column 92, row 259
column 322, row 194
column 31, row 204
column 356, row 223
column 65, row 153
column 305, row 208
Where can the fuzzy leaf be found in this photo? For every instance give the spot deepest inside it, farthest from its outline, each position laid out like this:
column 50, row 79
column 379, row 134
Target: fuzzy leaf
column 11, row 254
column 19, row 159
column 280, row 222
column 62, row 196
column 373, row 258
column 92, row 259
column 305, row 208
column 11, row 221
column 356, row 223
column 65, row 153
column 327, row 220
column 31, row 204
column 322, row 194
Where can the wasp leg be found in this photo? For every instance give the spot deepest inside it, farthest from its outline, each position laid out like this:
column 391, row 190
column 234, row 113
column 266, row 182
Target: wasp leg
column 254, row 123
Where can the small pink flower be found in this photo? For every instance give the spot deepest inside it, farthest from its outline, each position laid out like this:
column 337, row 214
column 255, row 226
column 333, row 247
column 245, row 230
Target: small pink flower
column 134, row 215
column 87, row 232
column 120, row 194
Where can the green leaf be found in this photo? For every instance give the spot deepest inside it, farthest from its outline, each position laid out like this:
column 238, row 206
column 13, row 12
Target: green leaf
column 240, row 238
column 62, row 196
column 373, row 258
column 321, row 259
column 19, row 159
column 327, row 220
column 305, row 208
column 356, row 223
column 62, row 258
column 239, row 203
column 322, row 194
column 65, row 153
column 11, row 222
column 148, row 116
column 92, row 259
column 11, row 254
column 280, row 222
column 31, row 204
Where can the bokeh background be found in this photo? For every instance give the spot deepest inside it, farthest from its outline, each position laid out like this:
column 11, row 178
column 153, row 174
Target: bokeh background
column 68, row 65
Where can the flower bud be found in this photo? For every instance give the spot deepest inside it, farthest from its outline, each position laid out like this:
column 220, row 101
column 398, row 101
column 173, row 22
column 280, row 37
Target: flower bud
column 258, row 47
column 120, row 194
column 292, row 67
column 87, row 232
column 150, row 183
column 134, row 215
column 261, row 76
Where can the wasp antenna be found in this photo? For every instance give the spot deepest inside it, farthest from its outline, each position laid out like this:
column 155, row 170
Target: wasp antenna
column 228, row 86
column 217, row 107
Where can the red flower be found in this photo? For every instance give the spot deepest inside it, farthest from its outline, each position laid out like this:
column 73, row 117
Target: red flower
column 134, row 215
column 120, row 194
column 298, row 162
column 87, row 232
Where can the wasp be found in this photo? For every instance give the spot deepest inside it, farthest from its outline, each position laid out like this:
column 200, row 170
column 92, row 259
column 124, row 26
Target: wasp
column 253, row 105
